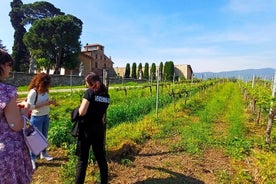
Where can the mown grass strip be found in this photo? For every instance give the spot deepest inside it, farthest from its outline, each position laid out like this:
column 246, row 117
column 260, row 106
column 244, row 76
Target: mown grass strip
column 197, row 135
column 236, row 144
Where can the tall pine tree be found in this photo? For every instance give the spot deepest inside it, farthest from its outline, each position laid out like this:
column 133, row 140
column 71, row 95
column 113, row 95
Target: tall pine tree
column 21, row 15
column 20, row 52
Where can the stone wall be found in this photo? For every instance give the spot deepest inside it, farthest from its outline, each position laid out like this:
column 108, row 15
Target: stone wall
column 23, row 79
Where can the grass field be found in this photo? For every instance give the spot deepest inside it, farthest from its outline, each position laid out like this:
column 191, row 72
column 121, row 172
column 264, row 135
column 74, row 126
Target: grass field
column 209, row 137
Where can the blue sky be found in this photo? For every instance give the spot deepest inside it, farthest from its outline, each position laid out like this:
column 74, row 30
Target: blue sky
column 210, row 35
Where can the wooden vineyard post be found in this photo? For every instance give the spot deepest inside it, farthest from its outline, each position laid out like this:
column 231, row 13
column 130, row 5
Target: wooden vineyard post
column 157, row 92
column 106, row 83
column 272, row 113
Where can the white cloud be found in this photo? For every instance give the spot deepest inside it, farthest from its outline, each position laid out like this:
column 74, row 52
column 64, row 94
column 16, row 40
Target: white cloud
column 251, row 6
column 218, row 64
column 188, row 51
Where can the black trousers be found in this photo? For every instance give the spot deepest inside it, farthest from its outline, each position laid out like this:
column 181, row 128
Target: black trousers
column 98, row 148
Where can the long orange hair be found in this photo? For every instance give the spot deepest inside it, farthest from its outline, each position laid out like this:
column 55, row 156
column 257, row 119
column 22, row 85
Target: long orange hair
column 41, row 82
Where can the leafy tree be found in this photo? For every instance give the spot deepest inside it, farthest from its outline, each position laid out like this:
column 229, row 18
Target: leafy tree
column 39, row 10
column 133, row 71
column 21, row 15
column 153, row 71
column 169, row 71
column 127, row 71
column 140, row 71
column 146, row 71
column 161, row 67
column 2, row 46
column 55, row 40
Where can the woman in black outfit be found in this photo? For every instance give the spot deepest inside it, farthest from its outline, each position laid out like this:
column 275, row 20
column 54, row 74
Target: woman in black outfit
column 92, row 129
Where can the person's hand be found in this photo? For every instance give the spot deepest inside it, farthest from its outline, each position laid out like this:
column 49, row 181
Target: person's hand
column 53, row 102
column 24, row 107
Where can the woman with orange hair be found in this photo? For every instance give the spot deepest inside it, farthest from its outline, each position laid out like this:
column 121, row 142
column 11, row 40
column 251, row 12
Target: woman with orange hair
column 38, row 98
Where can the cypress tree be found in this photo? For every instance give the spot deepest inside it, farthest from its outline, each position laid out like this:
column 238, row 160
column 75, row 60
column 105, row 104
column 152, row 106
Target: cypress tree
column 133, row 71
column 127, row 71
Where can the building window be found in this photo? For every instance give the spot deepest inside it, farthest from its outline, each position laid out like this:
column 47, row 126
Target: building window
column 104, row 66
column 96, row 65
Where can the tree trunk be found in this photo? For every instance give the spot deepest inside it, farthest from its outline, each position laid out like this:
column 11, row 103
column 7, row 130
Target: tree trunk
column 253, row 105
column 57, row 70
column 259, row 115
column 58, row 61
column 245, row 95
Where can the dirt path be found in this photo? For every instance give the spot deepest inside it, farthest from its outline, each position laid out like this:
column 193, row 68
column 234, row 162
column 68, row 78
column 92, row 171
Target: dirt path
column 50, row 171
column 154, row 164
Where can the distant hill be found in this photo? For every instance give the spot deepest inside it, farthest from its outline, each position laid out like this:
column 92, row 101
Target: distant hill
column 264, row 73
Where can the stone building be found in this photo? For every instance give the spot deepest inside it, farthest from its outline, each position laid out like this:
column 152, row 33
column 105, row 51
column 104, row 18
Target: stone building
column 93, row 59
column 185, row 71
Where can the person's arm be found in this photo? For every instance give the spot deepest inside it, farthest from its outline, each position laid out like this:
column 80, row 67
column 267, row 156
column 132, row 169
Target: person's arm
column 32, row 97
column 13, row 115
column 83, row 107
column 45, row 103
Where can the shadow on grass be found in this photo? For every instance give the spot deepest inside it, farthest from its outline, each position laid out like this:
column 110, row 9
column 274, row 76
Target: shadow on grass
column 177, row 178
column 157, row 153
column 56, row 162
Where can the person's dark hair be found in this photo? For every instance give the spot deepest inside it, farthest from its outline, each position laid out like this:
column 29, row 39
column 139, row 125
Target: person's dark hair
column 41, row 82
column 95, row 83
column 4, row 59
